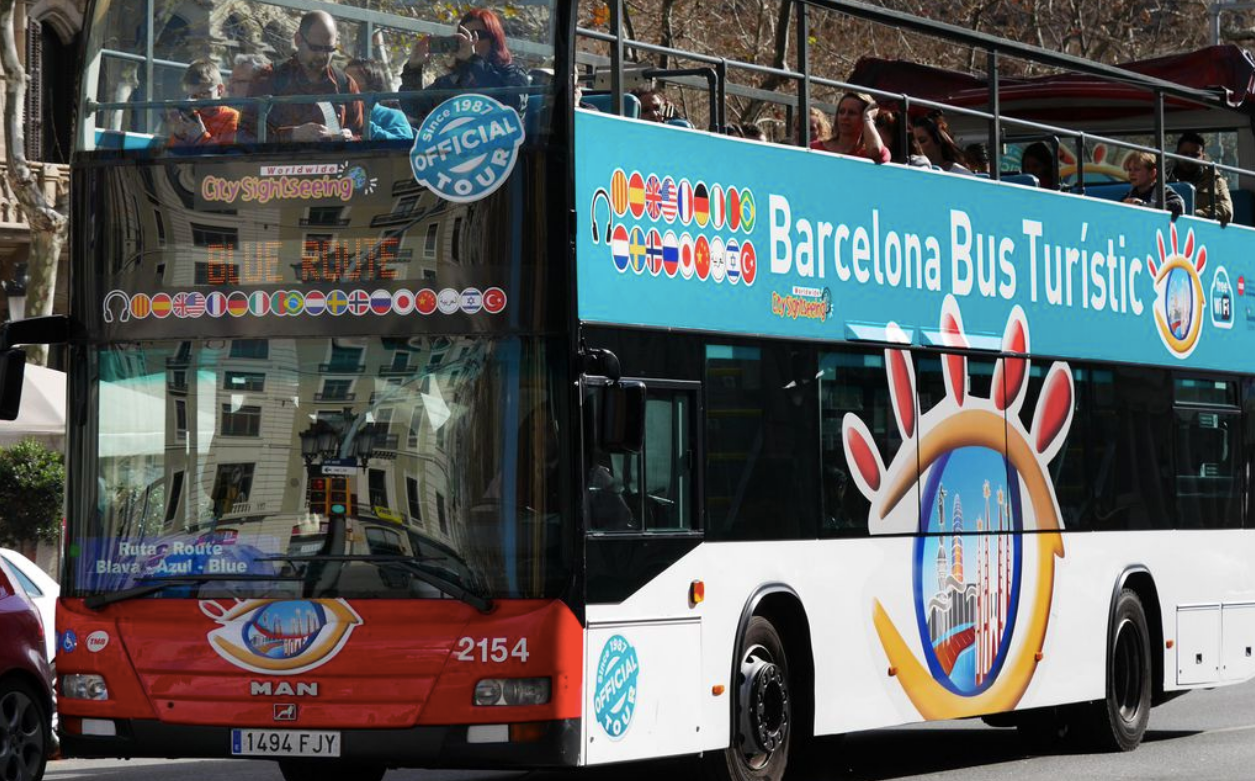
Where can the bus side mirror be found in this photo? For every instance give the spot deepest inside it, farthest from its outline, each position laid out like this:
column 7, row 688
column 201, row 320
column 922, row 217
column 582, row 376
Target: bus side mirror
column 622, row 428
column 12, row 371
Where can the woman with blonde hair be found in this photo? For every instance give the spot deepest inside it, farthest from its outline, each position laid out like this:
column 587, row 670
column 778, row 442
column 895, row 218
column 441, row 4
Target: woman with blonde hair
column 855, row 133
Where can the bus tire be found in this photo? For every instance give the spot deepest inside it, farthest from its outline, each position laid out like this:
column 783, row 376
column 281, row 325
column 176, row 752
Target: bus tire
column 764, row 718
column 25, row 732
column 329, row 770
column 1119, row 720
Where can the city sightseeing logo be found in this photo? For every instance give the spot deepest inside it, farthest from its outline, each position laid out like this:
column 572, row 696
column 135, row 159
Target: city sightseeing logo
column 313, row 182
column 966, row 581
column 807, row 303
column 1179, row 300
column 466, row 148
column 280, row 637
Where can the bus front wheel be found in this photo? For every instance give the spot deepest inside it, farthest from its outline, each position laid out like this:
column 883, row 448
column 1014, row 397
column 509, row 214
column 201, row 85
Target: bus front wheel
column 329, row 770
column 764, row 709
column 1120, row 718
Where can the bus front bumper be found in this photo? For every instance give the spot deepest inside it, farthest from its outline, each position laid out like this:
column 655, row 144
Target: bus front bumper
column 546, row 744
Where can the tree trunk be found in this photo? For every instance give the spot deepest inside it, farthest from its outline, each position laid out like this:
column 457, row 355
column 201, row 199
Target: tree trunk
column 779, row 59
column 47, row 225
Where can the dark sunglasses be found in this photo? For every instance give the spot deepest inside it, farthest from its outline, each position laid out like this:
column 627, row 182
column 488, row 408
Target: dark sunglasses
column 330, row 48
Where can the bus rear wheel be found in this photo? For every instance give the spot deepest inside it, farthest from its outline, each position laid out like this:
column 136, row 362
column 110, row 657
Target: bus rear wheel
column 764, row 709
column 329, row 770
column 1119, row 720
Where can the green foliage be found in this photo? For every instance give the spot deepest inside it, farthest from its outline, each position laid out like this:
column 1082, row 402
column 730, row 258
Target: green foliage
column 32, row 487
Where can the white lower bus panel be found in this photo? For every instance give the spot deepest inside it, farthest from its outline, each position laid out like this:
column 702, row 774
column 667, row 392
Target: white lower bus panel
column 869, row 601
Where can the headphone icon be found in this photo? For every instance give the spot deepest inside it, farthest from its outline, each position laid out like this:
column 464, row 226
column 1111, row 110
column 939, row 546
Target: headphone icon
column 600, row 195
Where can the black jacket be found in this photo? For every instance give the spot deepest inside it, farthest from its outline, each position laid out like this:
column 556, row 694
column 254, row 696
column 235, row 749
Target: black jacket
column 472, row 74
column 1150, row 199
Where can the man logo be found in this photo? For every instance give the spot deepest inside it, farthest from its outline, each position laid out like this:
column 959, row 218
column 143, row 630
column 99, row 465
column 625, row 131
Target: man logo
column 285, row 712
column 282, row 689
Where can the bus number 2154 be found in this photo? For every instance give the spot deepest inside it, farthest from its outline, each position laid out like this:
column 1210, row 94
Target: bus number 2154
column 491, row 650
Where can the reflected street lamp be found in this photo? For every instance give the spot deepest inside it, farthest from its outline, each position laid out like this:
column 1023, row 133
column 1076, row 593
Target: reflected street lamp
column 322, row 440
column 15, row 292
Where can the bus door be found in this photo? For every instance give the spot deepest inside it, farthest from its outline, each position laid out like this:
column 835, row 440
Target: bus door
column 642, row 510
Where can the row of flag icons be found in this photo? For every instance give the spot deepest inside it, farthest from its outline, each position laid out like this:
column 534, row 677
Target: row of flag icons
column 292, row 303
column 669, row 200
column 666, row 253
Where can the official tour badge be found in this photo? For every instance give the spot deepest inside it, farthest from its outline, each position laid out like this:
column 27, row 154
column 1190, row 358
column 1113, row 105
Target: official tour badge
column 617, row 672
column 467, row 147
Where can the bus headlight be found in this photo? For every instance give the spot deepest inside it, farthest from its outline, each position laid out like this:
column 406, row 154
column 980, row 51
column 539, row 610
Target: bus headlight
column 512, row 691
column 76, row 686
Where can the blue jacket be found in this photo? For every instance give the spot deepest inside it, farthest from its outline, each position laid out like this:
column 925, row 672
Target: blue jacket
column 389, row 124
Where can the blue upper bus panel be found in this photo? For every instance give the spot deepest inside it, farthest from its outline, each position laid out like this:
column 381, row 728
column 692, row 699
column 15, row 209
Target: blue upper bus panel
column 698, row 231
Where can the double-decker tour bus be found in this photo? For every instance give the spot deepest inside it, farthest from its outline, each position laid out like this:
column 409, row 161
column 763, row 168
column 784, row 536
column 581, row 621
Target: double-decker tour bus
column 556, row 437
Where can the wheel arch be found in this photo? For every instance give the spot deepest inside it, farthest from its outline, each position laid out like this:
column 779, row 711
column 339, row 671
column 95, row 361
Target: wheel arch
column 31, row 682
column 1139, row 579
column 780, row 604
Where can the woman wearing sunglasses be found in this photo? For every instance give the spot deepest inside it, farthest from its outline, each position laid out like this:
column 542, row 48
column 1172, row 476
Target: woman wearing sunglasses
column 481, row 61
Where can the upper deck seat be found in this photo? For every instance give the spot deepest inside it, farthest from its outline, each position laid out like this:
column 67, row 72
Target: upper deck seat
column 1114, row 191
column 601, row 102
column 118, row 139
column 1243, row 207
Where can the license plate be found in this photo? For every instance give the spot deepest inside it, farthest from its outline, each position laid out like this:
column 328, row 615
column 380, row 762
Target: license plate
column 284, row 743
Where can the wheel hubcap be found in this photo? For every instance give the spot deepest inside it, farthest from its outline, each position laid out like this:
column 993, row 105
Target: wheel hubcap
column 765, row 707
column 1126, row 672
column 21, row 737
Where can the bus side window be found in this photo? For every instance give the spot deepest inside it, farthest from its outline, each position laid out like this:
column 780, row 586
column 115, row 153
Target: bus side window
column 1080, row 467
column 851, row 382
column 762, row 468
column 668, row 469
column 650, row 491
column 1208, row 448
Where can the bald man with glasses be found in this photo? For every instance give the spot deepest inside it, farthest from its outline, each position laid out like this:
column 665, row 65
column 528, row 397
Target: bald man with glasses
column 308, row 72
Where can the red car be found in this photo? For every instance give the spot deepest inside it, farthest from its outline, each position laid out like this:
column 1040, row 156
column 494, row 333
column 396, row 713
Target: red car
column 25, row 691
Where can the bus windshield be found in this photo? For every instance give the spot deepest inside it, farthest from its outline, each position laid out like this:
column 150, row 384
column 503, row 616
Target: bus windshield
column 195, row 78
column 326, row 467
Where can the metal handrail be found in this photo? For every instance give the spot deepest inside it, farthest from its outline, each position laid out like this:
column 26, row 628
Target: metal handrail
column 266, row 102
column 993, row 46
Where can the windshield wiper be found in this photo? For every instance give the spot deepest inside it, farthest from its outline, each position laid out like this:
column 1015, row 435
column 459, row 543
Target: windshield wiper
column 411, row 564
column 97, row 601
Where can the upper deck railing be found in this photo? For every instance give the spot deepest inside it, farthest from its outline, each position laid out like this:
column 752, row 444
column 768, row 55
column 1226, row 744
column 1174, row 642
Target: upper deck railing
column 804, row 79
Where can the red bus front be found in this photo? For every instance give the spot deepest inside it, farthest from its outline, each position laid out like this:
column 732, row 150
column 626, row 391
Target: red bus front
column 321, row 505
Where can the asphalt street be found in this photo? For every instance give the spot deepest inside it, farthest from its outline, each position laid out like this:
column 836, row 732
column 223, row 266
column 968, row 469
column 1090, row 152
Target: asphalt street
column 1204, row 736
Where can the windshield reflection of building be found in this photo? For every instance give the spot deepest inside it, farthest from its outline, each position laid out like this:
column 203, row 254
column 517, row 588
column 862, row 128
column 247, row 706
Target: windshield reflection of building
column 262, row 394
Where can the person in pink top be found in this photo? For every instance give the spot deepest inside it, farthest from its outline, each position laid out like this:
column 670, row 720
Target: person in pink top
column 855, row 131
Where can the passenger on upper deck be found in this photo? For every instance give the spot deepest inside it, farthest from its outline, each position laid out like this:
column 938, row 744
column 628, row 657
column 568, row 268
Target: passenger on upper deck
column 977, row 156
column 820, row 127
column 387, row 120
column 206, row 125
column 752, row 132
column 246, row 68
column 1143, row 170
column 1039, row 161
column 655, row 106
column 308, row 72
column 856, row 133
column 482, row 60
column 1211, row 191
column 887, row 126
column 933, row 134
